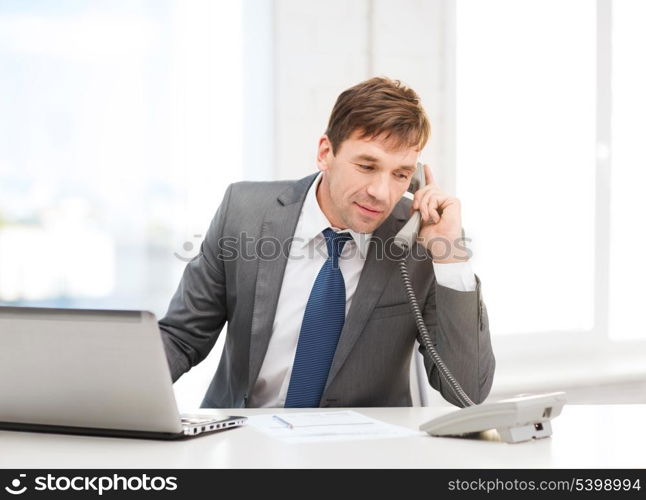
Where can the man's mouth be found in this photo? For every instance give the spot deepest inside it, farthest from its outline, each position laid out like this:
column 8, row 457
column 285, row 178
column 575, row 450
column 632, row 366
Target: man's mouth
column 368, row 210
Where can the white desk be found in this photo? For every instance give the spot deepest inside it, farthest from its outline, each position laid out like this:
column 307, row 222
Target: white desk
column 583, row 437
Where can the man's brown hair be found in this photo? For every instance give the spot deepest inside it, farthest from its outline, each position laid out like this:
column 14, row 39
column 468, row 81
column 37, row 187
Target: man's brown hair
column 379, row 106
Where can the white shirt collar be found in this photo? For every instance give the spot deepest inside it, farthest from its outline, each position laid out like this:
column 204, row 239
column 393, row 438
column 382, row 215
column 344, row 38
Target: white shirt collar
column 313, row 221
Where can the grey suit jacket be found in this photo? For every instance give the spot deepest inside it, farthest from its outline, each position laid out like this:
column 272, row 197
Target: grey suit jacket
column 236, row 279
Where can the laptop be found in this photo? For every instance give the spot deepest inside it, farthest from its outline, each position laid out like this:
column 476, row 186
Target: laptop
column 93, row 372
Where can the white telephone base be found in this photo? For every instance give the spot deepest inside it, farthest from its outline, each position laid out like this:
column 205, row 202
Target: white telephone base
column 516, row 420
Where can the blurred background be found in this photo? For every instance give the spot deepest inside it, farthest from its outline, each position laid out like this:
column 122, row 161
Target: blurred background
column 123, row 122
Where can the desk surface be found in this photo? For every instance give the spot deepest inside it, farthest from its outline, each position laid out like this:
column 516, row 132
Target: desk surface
column 583, row 437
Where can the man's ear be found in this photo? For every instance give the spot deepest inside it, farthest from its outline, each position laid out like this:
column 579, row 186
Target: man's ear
column 324, row 154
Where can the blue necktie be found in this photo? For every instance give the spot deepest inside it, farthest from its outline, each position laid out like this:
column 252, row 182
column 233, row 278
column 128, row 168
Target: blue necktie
column 322, row 324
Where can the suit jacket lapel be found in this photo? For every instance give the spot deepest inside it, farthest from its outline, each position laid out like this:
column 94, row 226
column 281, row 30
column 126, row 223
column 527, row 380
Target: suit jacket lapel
column 278, row 225
column 374, row 276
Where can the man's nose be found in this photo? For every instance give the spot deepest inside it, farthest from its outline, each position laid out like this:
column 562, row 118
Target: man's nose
column 379, row 188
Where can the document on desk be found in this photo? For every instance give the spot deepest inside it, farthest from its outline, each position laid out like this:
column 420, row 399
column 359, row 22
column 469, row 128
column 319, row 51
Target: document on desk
column 310, row 427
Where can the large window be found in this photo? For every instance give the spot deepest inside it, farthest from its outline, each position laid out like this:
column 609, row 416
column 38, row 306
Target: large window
column 120, row 128
column 627, row 200
column 525, row 157
column 549, row 155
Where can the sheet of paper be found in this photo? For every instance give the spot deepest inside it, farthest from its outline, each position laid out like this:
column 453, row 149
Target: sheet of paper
column 309, row 427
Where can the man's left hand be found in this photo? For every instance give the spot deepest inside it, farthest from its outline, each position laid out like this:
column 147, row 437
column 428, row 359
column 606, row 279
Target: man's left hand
column 441, row 230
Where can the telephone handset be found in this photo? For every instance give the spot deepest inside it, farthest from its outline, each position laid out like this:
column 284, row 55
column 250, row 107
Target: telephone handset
column 407, row 235
column 516, row 420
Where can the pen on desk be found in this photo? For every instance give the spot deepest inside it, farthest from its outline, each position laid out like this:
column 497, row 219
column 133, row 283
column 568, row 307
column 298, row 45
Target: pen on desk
column 284, row 422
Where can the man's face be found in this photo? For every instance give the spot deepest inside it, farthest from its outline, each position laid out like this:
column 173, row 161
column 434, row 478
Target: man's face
column 363, row 182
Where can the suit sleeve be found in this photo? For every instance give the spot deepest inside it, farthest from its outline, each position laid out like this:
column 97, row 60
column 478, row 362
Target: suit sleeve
column 198, row 309
column 459, row 327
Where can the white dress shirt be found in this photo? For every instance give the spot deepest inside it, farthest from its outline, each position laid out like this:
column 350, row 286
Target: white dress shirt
column 307, row 255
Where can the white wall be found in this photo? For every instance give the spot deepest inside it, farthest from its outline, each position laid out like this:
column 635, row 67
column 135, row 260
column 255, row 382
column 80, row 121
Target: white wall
column 322, row 49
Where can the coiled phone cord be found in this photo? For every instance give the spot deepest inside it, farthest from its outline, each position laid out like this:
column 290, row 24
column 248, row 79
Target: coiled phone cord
column 426, row 339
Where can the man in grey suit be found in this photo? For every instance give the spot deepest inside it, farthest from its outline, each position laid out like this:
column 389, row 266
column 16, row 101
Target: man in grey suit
column 304, row 274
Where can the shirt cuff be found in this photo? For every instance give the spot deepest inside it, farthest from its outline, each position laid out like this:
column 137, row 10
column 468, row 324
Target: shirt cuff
column 456, row 275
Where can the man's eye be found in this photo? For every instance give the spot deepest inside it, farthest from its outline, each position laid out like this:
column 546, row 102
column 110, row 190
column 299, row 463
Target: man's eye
column 365, row 167
column 402, row 176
